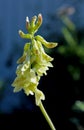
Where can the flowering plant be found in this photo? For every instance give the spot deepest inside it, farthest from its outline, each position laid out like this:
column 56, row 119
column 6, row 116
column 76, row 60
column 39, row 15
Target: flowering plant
column 34, row 63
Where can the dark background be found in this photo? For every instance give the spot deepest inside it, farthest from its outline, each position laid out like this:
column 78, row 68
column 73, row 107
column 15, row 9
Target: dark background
column 63, row 22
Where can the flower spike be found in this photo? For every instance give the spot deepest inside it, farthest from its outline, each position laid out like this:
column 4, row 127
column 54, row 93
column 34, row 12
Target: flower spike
column 34, row 62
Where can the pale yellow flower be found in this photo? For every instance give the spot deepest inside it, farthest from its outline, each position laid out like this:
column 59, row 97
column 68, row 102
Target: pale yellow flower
column 34, row 62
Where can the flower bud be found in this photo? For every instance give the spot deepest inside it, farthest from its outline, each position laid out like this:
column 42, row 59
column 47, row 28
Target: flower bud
column 38, row 23
column 23, row 35
column 27, row 23
column 33, row 21
column 45, row 43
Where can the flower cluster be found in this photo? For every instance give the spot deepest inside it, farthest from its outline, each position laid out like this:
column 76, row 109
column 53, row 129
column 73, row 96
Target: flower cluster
column 34, row 62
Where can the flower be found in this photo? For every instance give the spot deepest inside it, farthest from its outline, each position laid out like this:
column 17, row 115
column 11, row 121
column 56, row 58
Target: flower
column 34, row 62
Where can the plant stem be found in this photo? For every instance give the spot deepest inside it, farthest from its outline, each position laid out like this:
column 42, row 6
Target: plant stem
column 46, row 116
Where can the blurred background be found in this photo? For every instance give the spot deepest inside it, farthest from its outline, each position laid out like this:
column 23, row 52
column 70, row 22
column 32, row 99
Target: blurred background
column 63, row 22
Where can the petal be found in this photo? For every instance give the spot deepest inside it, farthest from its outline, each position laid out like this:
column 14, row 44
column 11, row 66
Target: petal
column 39, row 96
column 21, row 59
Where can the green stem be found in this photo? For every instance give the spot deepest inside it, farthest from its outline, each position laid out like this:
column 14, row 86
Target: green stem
column 46, row 116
